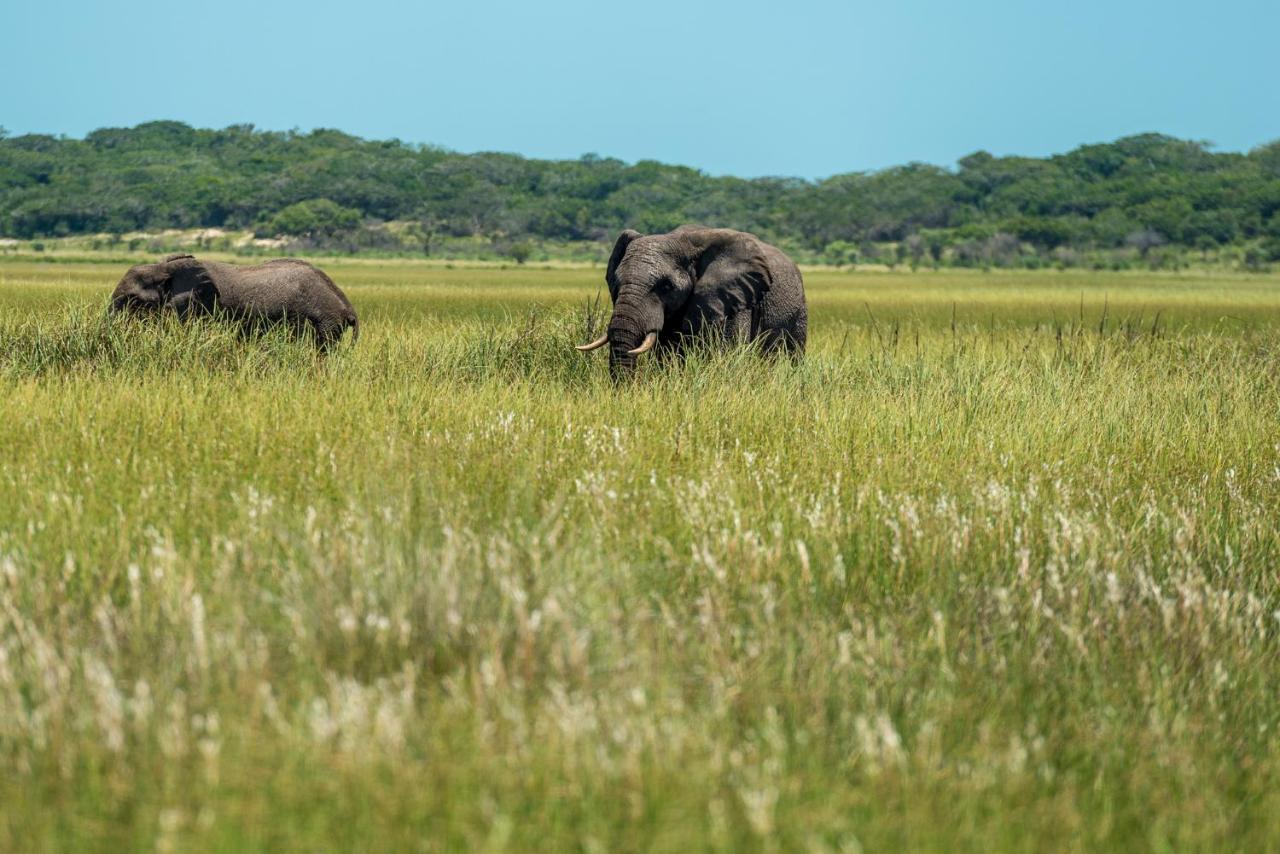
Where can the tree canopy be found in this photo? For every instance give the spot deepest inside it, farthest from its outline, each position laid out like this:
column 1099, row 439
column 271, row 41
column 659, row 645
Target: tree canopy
column 1141, row 191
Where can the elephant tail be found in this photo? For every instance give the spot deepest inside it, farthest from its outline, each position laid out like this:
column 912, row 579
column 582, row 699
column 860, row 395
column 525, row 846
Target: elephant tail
column 354, row 323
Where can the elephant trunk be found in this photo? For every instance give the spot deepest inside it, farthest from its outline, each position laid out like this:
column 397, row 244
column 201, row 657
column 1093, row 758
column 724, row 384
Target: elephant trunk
column 636, row 316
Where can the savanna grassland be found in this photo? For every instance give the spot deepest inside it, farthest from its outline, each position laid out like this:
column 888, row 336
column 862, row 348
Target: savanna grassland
column 995, row 567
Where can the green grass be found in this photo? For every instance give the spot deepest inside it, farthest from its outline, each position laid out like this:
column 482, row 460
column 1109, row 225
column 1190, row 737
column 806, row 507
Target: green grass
column 1007, row 581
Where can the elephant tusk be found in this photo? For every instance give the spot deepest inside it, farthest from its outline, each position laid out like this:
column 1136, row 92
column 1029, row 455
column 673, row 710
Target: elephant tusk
column 646, row 346
column 594, row 345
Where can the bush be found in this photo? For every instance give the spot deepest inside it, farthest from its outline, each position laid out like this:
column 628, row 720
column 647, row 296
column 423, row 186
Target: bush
column 1065, row 257
column 312, row 218
column 840, row 252
column 1271, row 249
column 1255, row 260
column 520, row 251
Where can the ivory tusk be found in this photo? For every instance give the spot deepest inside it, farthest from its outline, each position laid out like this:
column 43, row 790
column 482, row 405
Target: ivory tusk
column 594, row 345
column 646, row 346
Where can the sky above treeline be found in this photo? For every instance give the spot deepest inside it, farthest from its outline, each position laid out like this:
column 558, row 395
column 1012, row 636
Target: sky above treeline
column 806, row 87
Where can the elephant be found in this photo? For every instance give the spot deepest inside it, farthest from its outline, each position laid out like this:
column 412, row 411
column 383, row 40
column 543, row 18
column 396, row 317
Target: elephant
column 284, row 290
column 700, row 282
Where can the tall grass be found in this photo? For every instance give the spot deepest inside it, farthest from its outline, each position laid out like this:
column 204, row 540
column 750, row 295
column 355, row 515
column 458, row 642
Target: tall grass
column 1009, row 583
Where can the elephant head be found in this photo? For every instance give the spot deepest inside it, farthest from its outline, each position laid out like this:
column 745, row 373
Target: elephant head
column 179, row 282
column 692, row 281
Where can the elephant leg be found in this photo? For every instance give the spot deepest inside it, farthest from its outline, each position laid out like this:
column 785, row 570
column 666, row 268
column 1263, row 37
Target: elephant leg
column 779, row 342
column 772, row 341
column 298, row 326
column 797, row 335
column 328, row 332
column 704, row 320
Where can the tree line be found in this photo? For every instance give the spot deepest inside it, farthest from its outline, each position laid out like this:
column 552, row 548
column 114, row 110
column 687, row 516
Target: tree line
column 1140, row 194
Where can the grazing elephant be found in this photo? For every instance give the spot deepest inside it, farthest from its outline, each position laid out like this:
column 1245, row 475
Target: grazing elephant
column 697, row 281
column 285, row 290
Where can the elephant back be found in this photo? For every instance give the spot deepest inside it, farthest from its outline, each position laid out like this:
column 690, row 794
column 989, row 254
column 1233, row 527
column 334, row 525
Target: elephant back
column 281, row 285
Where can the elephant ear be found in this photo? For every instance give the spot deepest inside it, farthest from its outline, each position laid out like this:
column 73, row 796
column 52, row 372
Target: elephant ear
column 731, row 276
column 189, row 285
column 619, row 250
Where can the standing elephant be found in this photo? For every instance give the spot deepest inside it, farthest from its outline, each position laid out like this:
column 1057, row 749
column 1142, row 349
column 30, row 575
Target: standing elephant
column 697, row 281
column 285, row 290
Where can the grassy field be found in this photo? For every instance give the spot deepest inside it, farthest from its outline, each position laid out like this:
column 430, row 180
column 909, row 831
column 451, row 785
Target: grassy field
column 996, row 567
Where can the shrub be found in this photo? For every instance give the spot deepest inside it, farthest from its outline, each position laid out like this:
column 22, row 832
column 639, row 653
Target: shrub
column 312, row 218
column 520, row 251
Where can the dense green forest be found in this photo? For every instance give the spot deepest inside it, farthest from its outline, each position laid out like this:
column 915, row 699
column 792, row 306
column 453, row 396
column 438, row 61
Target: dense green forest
column 1142, row 197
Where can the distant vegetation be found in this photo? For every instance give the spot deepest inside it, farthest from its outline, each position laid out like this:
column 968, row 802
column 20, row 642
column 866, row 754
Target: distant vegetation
column 1149, row 200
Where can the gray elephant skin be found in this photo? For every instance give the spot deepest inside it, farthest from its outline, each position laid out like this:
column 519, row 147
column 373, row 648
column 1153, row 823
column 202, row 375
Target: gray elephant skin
column 285, row 290
column 700, row 282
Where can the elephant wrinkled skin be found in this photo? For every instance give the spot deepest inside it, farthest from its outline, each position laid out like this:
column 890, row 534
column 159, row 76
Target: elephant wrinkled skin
column 700, row 282
column 286, row 290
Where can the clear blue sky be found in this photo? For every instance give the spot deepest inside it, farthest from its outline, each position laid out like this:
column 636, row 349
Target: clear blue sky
column 793, row 87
